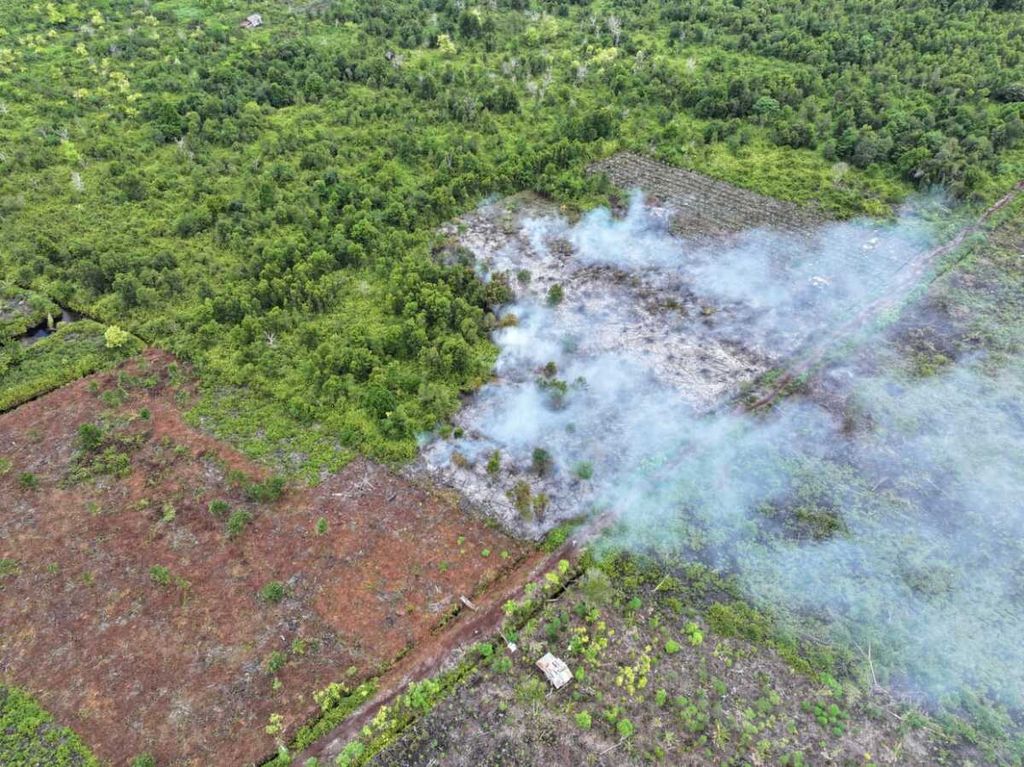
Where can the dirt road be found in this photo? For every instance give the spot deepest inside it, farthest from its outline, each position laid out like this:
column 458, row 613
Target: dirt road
column 468, row 627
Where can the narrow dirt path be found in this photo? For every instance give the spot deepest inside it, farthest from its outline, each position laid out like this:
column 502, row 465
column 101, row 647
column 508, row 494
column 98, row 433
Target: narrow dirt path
column 908, row 277
column 468, row 627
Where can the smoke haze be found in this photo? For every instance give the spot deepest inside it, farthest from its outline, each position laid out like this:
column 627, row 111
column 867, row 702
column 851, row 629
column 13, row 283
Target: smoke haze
column 897, row 535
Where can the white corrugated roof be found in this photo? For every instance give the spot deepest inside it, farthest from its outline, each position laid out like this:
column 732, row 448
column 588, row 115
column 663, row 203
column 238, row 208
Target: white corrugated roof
column 555, row 670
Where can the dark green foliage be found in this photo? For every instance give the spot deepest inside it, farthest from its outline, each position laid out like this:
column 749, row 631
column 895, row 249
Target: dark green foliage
column 104, row 452
column 541, row 461
column 219, row 508
column 275, row 662
column 160, row 575
column 829, row 716
column 521, row 496
column 266, row 491
column 494, row 462
column 270, row 217
column 90, row 437
column 556, row 537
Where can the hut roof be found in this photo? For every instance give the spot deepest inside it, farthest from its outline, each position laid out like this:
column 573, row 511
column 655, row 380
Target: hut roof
column 555, row 670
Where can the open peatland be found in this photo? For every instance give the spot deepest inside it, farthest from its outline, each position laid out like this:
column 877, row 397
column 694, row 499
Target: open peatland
column 163, row 594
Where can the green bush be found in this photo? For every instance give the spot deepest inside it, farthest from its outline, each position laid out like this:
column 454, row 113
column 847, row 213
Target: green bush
column 273, row 592
column 219, row 508
column 275, row 662
column 541, row 461
column 29, row 736
column 115, row 338
column 267, row 491
column 584, row 470
column 694, row 634
column 494, row 462
column 90, row 437
column 160, row 575
column 237, row 522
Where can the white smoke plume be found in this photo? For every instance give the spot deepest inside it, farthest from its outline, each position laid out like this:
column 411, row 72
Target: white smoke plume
column 899, row 536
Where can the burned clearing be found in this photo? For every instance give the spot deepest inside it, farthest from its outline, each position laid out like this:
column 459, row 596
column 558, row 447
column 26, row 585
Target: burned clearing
column 162, row 594
column 617, row 325
column 572, row 323
column 844, row 513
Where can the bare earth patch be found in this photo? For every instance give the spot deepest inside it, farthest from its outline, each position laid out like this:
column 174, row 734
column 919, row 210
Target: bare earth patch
column 134, row 617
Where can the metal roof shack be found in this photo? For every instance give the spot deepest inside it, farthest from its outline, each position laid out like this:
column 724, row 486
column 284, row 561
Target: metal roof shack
column 555, row 670
column 252, row 21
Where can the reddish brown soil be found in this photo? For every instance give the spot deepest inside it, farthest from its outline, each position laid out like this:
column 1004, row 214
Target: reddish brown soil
column 178, row 670
column 483, row 623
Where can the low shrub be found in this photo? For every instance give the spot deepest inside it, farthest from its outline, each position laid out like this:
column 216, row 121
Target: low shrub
column 273, row 592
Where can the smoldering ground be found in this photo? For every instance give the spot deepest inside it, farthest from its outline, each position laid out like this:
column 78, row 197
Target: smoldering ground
column 897, row 538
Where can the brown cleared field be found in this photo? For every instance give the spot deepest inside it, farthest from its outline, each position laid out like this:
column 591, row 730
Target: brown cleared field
column 134, row 617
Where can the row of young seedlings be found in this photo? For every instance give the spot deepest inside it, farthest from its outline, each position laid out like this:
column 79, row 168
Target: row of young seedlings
column 422, row 696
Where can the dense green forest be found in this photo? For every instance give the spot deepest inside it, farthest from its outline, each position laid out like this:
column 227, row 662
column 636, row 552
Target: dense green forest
column 263, row 202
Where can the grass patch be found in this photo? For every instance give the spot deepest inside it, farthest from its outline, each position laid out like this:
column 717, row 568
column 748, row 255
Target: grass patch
column 73, row 351
column 29, row 736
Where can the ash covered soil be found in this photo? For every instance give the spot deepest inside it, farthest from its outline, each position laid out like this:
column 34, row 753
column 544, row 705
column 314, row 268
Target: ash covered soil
column 617, row 326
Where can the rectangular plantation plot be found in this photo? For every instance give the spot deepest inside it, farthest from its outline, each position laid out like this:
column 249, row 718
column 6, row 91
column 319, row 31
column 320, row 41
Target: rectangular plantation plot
column 162, row 595
column 703, row 206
